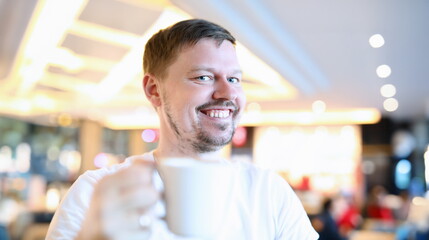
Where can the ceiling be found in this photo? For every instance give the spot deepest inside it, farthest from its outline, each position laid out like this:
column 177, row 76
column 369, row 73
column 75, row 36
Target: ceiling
column 65, row 60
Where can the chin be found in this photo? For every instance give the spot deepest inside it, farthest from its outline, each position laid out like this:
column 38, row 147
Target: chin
column 205, row 143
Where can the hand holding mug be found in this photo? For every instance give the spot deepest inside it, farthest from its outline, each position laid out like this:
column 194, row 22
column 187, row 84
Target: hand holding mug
column 120, row 204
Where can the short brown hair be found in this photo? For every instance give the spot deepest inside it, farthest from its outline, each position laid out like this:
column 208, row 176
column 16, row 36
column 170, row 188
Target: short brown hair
column 162, row 48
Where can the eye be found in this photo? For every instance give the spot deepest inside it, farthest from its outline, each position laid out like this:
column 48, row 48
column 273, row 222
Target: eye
column 203, row 78
column 233, row 80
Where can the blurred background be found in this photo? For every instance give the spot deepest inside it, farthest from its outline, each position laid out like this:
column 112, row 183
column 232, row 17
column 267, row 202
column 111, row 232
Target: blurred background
column 336, row 90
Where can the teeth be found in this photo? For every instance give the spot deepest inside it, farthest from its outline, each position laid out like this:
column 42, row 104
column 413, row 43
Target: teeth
column 218, row 113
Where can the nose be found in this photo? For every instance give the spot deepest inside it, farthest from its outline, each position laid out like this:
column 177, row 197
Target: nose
column 225, row 90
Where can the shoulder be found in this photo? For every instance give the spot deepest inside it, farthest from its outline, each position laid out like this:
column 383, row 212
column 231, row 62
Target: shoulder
column 273, row 201
column 258, row 176
column 265, row 185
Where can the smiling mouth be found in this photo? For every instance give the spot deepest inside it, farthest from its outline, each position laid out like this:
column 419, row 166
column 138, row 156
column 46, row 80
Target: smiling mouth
column 217, row 113
column 219, row 109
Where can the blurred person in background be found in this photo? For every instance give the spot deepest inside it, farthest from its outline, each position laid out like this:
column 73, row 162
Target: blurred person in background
column 376, row 207
column 10, row 208
column 325, row 224
column 193, row 80
column 348, row 217
column 416, row 226
column 404, row 208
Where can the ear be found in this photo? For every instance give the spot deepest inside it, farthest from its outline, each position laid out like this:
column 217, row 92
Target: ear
column 152, row 89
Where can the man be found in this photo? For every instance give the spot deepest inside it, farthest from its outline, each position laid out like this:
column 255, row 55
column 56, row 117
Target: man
column 193, row 80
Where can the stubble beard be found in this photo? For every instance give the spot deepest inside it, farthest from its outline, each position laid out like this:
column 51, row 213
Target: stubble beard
column 201, row 141
column 208, row 142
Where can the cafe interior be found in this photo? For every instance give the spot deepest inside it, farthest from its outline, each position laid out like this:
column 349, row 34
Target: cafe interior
column 337, row 102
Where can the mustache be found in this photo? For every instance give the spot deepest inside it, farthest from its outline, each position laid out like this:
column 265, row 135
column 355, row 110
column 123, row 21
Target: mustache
column 218, row 103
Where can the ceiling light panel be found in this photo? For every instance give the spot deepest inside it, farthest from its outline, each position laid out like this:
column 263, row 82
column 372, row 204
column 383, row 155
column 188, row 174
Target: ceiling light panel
column 85, row 74
column 107, row 13
column 94, row 48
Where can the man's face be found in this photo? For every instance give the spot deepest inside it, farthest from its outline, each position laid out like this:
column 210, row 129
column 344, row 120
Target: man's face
column 202, row 97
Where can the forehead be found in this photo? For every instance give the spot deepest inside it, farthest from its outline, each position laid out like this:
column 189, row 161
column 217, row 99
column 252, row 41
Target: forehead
column 209, row 52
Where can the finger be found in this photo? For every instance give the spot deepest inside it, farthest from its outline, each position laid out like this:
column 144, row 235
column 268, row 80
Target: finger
column 126, row 228
column 123, row 220
column 136, row 198
column 127, row 221
column 126, row 178
column 142, row 160
column 140, row 173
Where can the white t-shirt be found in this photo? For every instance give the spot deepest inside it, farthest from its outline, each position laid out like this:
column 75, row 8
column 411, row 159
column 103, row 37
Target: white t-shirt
column 266, row 208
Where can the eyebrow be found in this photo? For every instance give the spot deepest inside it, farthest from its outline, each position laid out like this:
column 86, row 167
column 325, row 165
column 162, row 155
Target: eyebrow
column 209, row 69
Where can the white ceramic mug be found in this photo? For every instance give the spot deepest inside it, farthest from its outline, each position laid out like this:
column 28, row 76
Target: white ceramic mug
column 197, row 195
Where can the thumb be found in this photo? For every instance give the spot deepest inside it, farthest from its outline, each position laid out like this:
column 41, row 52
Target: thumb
column 145, row 160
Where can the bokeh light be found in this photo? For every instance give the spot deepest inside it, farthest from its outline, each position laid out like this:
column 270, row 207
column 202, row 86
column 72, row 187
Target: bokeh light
column 388, row 90
column 319, row 106
column 149, row 135
column 376, row 41
column 390, row 104
column 383, row 71
column 101, row 160
column 240, row 137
